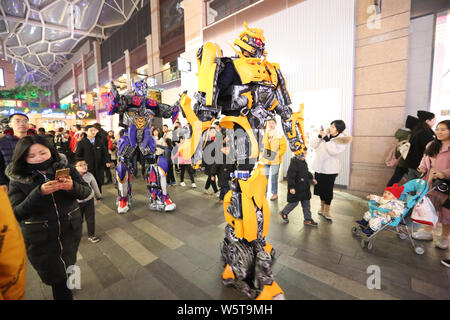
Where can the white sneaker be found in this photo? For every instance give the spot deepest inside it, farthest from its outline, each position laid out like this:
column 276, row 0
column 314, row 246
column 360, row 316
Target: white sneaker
column 217, row 194
column 182, row 184
column 443, row 243
column 194, row 185
column 422, row 234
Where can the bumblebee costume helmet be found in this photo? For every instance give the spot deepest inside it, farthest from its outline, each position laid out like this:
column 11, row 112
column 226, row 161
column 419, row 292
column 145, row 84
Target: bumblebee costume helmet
column 251, row 41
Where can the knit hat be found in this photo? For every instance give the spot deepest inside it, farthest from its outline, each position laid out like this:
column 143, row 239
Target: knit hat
column 425, row 115
column 395, row 190
column 411, row 122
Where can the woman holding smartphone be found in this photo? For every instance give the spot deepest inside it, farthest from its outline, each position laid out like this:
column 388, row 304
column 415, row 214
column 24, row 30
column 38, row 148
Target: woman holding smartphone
column 47, row 209
column 328, row 144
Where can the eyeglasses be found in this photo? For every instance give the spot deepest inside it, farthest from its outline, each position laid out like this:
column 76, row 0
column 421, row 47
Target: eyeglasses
column 17, row 121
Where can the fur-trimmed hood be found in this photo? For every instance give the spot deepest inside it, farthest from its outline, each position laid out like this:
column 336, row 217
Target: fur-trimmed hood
column 342, row 139
column 63, row 163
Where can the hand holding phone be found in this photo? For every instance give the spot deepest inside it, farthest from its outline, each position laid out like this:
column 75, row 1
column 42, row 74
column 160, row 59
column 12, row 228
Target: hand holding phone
column 61, row 174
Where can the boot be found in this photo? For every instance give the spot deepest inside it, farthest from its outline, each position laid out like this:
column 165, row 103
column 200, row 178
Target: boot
column 326, row 212
column 322, row 207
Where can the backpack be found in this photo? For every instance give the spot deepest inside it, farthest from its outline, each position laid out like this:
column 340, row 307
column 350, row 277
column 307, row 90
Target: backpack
column 391, row 161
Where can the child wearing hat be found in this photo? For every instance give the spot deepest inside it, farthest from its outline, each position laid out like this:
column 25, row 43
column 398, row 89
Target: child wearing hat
column 388, row 201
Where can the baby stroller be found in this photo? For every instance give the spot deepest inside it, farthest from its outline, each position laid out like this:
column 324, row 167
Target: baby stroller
column 414, row 191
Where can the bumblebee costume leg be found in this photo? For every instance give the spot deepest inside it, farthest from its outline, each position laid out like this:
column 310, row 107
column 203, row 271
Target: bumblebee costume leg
column 123, row 175
column 247, row 256
column 155, row 176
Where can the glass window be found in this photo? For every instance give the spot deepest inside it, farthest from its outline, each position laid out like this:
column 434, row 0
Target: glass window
column 219, row 9
column 2, row 78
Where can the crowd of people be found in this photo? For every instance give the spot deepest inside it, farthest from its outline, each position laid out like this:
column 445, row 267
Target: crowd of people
column 30, row 160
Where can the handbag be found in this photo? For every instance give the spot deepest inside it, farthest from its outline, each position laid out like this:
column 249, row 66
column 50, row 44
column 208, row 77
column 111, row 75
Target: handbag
column 403, row 147
column 391, row 161
column 425, row 213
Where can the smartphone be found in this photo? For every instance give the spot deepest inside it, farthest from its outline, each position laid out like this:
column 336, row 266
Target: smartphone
column 62, row 173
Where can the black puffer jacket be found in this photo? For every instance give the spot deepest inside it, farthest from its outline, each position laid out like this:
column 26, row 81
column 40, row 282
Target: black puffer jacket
column 419, row 140
column 51, row 224
column 299, row 178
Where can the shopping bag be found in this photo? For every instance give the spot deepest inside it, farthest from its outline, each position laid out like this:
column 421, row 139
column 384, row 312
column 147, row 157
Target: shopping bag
column 425, row 213
column 391, row 161
column 403, row 148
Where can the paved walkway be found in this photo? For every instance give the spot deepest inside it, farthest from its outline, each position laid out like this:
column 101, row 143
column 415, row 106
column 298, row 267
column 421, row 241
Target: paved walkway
column 152, row 255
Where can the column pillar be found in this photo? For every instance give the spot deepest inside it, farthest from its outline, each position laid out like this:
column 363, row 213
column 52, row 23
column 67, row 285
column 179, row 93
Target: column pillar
column 128, row 68
column 156, row 35
column 4, row 50
column 75, row 84
column 97, row 62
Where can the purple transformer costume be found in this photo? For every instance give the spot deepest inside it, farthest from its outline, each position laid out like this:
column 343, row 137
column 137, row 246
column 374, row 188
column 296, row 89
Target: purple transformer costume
column 136, row 113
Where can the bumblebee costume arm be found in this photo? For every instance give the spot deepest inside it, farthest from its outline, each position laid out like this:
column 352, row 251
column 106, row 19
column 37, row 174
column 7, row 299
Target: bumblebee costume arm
column 292, row 123
column 206, row 109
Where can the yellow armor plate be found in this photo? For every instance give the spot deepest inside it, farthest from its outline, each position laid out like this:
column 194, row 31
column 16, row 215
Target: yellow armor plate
column 207, row 70
column 140, row 122
column 228, row 123
column 190, row 145
column 252, row 193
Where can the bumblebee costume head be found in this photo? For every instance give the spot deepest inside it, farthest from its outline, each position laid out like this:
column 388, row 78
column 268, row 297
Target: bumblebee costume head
column 252, row 42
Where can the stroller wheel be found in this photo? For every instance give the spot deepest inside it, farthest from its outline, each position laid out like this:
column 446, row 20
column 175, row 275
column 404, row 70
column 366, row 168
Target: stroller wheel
column 355, row 231
column 363, row 243
column 419, row 250
column 403, row 236
column 370, row 245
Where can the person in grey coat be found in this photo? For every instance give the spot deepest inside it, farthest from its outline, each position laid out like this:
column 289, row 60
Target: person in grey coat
column 87, row 206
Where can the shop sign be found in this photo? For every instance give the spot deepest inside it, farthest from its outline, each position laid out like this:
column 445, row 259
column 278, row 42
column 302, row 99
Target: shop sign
column 10, row 103
column 51, row 114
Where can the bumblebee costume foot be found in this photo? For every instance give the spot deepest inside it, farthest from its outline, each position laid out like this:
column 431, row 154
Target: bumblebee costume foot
column 123, row 205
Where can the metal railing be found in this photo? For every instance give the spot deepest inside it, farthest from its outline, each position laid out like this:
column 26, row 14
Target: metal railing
column 164, row 76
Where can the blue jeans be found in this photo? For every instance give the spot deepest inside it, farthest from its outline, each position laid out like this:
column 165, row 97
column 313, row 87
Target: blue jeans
column 272, row 171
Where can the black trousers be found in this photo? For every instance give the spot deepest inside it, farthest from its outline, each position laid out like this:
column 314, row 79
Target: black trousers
column 324, row 186
column 190, row 171
column 108, row 174
column 397, row 176
column 88, row 214
column 211, row 183
column 170, row 175
column 61, row 291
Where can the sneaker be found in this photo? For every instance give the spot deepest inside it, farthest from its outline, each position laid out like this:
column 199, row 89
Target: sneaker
column 422, row 234
column 284, row 217
column 446, row 263
column 182, row 184
column 362, row 223
column 169, row 205
column 443, row 243
column 274, row 197
column 217, row 194
column 368, row 232
column 194, row 185
column 94, row 239
column 310, row 223
column 206, row 191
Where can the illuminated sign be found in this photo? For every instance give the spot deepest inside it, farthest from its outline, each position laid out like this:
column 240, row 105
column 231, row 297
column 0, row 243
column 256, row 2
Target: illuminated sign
column 10, row 103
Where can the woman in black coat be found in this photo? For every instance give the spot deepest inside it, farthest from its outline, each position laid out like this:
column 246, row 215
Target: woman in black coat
column 420, row 137
column 47, row 210
column 299, row 189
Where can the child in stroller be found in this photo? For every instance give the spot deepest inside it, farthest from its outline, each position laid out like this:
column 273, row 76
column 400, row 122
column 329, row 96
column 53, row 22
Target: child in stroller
column 390, row 200
column 410, row 194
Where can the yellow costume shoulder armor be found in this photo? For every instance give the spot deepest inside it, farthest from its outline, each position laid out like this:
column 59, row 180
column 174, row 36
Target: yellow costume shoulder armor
column 255, row 70
column 207, row 70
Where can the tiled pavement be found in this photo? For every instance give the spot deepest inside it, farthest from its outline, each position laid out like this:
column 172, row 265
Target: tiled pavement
column 152, row 255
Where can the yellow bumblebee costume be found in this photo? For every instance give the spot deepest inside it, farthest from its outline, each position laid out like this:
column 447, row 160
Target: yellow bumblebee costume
column 248, row 90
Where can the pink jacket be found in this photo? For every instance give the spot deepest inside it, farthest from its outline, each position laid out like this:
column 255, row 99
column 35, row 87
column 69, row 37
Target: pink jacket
column 181, row 160
column 440, row 162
